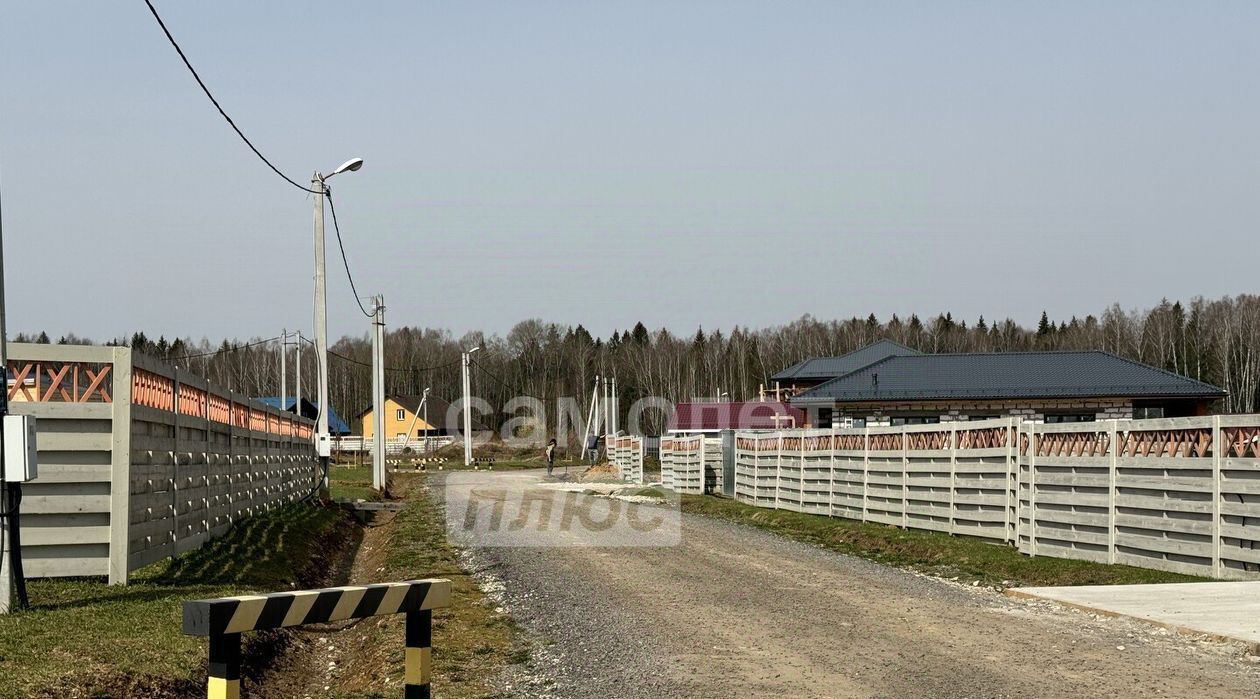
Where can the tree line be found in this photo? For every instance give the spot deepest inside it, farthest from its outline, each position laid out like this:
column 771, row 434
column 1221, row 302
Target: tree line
column 1215, row 341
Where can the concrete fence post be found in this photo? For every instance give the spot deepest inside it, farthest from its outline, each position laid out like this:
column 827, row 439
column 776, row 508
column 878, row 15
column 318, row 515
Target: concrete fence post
column 1218, row 458
column 953, row 475
column 778, row 469
column 905, row 479
column 175, row 464
column 1032, row 489
column 120, row 468
column 1012, row 503
column 866, row 471
column 1112, row 448
column 800, row 484
column 831, row 476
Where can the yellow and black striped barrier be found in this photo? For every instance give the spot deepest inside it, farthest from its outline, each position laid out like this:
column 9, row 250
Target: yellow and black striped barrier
column 224, row 619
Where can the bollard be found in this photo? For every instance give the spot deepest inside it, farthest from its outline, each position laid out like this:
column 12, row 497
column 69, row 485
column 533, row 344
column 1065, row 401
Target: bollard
column 223, row 620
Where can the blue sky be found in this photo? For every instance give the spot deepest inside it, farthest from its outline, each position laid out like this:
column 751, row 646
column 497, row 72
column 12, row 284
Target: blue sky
column 679, row 163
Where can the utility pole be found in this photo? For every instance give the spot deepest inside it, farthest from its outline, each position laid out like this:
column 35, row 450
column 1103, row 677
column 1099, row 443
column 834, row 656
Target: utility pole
column 6, row 563
column 284, row 371
column 467, row 361
column 298, row 370
column 592, row 420
column 378, row 393
column 323, row 440
column 615, row 407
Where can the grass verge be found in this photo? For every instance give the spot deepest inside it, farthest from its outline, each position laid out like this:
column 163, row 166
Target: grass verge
column 84, row 638
column 965, row 558
column 472, row 643
column 351, row 483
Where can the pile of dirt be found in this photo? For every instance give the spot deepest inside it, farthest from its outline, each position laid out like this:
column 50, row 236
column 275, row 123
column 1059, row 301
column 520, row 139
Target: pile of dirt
column 498, row 450
column 601, row 473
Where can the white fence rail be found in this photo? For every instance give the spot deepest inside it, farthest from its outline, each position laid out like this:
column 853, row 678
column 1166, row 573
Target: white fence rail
column 1180, row 494
column 393, row 447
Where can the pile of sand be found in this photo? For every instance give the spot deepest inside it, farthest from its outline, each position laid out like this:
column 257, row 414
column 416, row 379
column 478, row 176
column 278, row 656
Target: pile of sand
column 601, row 473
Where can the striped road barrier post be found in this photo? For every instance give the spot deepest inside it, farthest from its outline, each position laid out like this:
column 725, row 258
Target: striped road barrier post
column 223, row 620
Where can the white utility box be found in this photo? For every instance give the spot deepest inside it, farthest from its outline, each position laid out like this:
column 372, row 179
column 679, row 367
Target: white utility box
column 19, row 448
column 323, row 446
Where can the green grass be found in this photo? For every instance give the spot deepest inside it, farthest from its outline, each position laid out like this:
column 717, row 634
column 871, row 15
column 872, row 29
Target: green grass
column 351, row 483
column 85, row 638
column 650, row 492
column 965, row 558
column 471, row 642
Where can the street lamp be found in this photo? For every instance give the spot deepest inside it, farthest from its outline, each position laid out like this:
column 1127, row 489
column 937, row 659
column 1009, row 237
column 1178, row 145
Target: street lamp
column 467, row 360
column 323, row 441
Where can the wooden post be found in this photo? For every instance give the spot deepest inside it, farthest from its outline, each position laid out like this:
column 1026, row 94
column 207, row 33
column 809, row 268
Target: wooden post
column 419, row 655
column 224, row 675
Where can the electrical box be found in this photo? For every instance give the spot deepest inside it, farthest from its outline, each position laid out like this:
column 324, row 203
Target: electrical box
column 323, row 446
column 19, row 448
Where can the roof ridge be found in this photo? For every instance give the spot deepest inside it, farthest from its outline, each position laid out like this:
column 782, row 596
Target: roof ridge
column 861, row 368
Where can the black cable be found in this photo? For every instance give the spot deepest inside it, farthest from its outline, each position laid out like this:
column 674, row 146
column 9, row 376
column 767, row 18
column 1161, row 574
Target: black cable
column 341, row 247
column 233, row 348
column 15, row 543
column 343, row 357
column 494, row 376
column 215, row 102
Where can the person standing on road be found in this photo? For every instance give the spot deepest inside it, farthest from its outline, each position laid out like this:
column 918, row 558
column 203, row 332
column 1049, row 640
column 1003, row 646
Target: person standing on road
column 551, row 455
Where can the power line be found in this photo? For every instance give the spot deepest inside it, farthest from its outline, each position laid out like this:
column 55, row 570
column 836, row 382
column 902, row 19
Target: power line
column 401, row 370
column 492, row 375
column 342, row 248
column 232, row 348
column 216, row 104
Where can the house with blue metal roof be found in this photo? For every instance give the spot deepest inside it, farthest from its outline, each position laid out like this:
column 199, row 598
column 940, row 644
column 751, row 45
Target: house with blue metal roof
column 888, row 384
column 336, row 426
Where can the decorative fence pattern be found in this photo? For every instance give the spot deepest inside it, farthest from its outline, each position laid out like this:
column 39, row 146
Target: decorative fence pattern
column 682, row 463
column 1180, row 494
column 139, row 461
column 692, row 464
column 626, row 453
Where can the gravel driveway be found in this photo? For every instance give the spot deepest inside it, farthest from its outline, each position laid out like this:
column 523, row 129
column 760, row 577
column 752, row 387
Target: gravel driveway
column 737, row 612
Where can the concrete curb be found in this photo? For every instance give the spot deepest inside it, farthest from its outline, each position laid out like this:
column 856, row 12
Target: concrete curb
column 1251, row 647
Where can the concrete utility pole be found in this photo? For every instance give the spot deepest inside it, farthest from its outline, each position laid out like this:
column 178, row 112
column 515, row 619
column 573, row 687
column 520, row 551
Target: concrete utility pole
column 6, row 565
column 298, row 370
column 284, row 371
column 467, row 357
column 592, row 420
column 323, row 440
column 378, row 393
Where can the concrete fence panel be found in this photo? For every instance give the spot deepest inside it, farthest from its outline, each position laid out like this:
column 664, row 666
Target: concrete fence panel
column 1179, row 494
column 139, row 461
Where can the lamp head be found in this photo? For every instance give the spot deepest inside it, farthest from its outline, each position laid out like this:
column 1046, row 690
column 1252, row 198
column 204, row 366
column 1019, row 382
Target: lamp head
column 351, row 165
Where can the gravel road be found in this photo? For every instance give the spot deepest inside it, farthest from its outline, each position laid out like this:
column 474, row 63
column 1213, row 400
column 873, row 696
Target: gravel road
column 736, row 612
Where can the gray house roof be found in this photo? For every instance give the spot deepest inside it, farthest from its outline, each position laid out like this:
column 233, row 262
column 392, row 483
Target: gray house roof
column 831, row 367
column 1010, row 375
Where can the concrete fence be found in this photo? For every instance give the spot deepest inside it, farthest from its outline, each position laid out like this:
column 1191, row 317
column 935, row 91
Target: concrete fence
column 692, row 464
column 1181, row 494
column 626, row 453
column 139, row 461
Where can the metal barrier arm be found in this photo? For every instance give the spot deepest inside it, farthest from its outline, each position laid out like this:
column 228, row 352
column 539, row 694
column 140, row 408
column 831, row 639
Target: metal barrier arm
column 223, row 620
